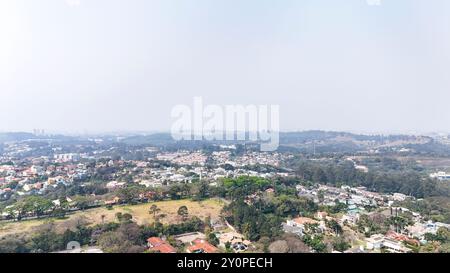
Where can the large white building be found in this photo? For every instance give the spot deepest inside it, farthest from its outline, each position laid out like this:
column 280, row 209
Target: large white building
column 441, row 176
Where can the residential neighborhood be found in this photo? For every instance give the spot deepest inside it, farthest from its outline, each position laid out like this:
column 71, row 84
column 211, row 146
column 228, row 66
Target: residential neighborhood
column 255, row 199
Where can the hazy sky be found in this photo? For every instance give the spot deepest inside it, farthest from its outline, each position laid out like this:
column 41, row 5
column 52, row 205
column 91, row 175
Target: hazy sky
column 103, row 65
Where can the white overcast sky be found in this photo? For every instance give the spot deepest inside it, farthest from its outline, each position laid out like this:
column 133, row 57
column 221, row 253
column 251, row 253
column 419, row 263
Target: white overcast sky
column 106, row 65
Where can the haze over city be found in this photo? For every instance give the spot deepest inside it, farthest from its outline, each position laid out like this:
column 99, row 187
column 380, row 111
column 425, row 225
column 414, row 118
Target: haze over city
column 239, row 128
column 96, row 66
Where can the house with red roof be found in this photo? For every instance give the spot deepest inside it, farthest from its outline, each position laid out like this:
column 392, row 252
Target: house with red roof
column 201, row 246
column 401, row 238
column 157, row 244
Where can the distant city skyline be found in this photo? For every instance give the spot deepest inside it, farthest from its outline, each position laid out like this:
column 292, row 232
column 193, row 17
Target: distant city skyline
column 78, row 66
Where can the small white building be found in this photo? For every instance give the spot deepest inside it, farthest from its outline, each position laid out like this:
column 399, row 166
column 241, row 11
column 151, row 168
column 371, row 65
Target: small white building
column 374, row 242
column 115, row 185
column 399, row 197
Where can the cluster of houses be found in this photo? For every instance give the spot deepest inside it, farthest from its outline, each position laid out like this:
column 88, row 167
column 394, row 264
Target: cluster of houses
column 196, row 242
column 301, row 225
column 36, row 175
column 191, row 165
column 357, row 198
column 184, row 158
column 156, row 177
column 254, row 158
column 237, row 241
column 357, row 201
column 249, row 158
column 420, row 228
column 392, row 243
column 35, row 179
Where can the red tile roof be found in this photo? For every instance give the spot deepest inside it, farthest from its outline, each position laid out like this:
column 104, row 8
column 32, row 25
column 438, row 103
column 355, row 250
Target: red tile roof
column 305, row 220
column 164, row 248
column 200, row 245
column 401, row 238
column 154, row 241
column 159, row 245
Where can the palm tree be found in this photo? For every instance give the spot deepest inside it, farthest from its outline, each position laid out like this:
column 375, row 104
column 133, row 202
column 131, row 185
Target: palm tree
column 154, row 210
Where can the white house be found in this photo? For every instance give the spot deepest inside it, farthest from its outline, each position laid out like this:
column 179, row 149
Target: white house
column 374, row 242
column 378, row 241
column 399, row 197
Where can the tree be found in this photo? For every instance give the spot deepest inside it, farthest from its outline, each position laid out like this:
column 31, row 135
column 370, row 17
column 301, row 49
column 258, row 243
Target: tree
column 132, row 232
column 176, row 192
column 279, row 246
column 113, row 242
column 183, row 212
column 316, row 243
column 340, row 244
column 154, row 210
column 58, row 212
column 38, row 205
column 126, row 239
column 334, row 226
column 13, row 244
column 126, row 217
column 228, row 248
column 398, row 222
column 119, row 216
column 265, row 242
column 295, row 244
column 321, row 196
column 208, row 222
column 18, row 210
column 442, row 236
column 202, row 191
column 212, row 239
column 64, row 204
column 129, row 194
column 46, row 241
column 82, row 202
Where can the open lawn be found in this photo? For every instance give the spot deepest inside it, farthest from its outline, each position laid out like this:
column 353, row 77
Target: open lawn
column 168, row 209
